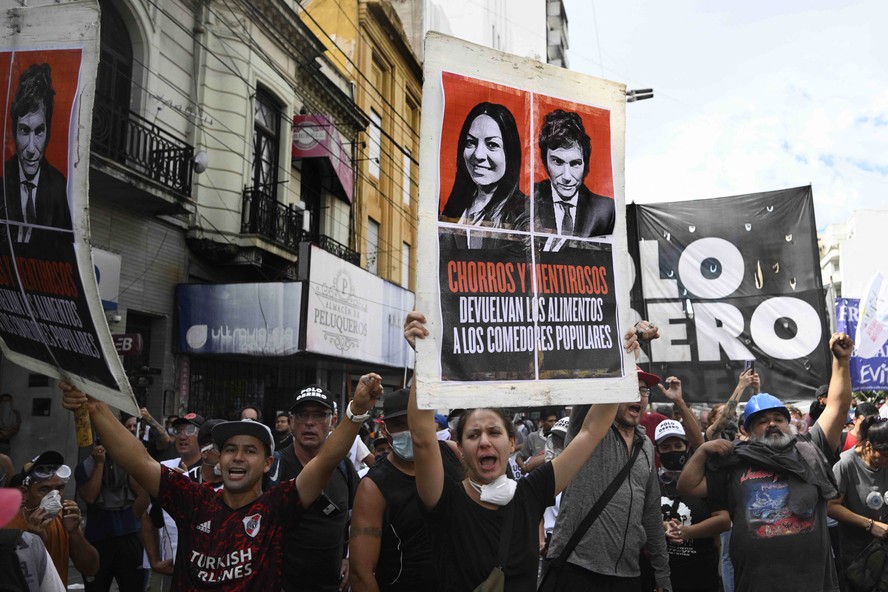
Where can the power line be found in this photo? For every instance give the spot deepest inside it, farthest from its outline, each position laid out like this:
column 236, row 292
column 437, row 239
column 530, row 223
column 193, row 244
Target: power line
column 397, row 183
column 405, row 214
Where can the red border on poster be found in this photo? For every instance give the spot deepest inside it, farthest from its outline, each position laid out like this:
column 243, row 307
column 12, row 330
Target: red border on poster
column 600, row 179
column 461, row 94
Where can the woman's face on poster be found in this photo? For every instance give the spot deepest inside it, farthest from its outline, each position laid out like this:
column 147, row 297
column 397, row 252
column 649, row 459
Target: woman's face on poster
column 483, row 153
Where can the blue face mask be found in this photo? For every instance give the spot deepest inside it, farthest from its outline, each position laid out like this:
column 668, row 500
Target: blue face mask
column 402, row 445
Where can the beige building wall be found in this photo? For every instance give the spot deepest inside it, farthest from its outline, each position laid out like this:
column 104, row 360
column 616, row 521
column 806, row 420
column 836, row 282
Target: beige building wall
column 366, row 41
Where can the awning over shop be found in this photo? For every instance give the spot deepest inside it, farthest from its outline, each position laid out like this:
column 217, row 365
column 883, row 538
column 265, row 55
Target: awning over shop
column 316, row 136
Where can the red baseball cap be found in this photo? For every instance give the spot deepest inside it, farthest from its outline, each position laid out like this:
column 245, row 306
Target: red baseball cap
column 649, row 379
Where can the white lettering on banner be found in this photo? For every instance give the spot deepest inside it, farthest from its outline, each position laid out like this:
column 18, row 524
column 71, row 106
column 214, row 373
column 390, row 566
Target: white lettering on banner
column 225, row 339
column 726, row 259
column 871, row 374
column 668, row 348
column 849, row 314
column 719, row 324
column 769, row 312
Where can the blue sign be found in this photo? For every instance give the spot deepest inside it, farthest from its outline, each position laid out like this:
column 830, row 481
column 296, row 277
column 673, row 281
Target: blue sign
column 867, row 374
column 248, row 319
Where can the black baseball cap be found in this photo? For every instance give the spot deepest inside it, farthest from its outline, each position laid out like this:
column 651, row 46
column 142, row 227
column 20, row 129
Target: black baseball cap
column 52, row 459
column 315, row 394
column 189, row 418
column 205, row 435
column 395, row 404
column 48, row 458
column 225, row 430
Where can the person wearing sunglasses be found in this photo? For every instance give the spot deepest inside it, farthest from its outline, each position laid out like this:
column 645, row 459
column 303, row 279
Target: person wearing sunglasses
column 232, row 539
column 53, row 519
column 314, row 551
column 159, row 533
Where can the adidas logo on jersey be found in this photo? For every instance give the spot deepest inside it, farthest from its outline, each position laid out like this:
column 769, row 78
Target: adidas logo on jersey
column 205, row 527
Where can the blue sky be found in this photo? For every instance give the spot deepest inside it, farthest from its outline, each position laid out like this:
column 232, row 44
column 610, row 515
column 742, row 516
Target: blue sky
column 750, row 96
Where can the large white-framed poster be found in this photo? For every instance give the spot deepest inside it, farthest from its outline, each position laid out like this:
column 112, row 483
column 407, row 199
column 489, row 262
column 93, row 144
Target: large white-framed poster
column 51, row 316
column 522, row 255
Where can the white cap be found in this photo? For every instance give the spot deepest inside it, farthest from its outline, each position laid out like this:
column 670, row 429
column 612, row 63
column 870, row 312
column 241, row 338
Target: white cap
column 561, row 425
column 669, row 428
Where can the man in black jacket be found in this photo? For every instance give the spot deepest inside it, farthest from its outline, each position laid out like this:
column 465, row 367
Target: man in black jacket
column 563, row 204
column 35, row 192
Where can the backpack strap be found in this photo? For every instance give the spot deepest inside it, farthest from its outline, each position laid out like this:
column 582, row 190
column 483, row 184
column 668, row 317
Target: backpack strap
column 602, row 501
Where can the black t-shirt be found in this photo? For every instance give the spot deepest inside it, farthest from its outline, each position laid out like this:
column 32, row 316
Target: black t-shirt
column 466, row 536
column 693, row 565
column 780, row 538
column 313, row 550
column 405, row 553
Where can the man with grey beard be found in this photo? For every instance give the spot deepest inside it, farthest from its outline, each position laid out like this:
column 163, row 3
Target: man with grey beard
column 775, row 487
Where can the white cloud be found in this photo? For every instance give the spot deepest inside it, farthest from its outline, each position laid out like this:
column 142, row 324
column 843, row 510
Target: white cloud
column 748, row 97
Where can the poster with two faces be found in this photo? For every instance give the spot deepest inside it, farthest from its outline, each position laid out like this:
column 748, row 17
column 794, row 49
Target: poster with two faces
column 523, row 269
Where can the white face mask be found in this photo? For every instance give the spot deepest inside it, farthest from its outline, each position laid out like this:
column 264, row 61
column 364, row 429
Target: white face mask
column 499, row 492
column 52, row 503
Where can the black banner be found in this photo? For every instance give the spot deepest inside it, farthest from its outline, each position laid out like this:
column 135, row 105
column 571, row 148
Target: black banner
column 510, row 314
column 728, row 280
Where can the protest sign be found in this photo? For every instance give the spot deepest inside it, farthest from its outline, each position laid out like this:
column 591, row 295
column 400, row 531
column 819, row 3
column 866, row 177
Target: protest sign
column 872, row 326
column 51, row 318
column 522, row 254
column 868, row 372
column 729, row 280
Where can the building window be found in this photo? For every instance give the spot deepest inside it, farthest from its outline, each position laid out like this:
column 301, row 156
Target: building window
column 405, row 266
column 113, row 86
column 375, row 147
column 266, row 140
column 406, row 185
column 372, row 246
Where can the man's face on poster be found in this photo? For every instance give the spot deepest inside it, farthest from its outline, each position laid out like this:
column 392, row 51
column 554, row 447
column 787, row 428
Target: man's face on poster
column 30, row 140
column 565, row 167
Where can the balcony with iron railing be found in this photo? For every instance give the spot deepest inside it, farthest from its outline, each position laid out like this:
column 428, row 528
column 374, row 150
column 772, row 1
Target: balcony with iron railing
column 282, row 224
column 265, row 216
column 143, row 147
column 334, row 247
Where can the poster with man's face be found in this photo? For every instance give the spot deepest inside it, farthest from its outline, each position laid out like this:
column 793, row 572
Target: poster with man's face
column 521, row 229
column 51, row 318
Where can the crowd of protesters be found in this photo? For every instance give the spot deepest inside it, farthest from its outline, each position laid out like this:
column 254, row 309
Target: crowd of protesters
column 628, row 496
